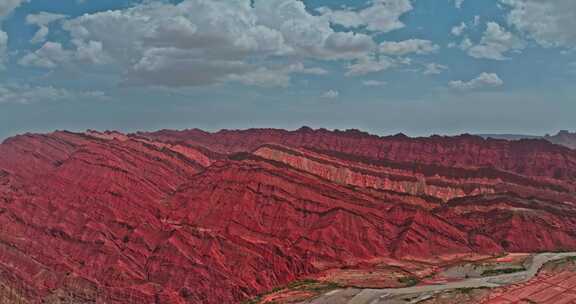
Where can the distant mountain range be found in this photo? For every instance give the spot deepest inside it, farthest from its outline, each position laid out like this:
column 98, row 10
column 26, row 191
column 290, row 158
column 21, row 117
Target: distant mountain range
column 564, row 138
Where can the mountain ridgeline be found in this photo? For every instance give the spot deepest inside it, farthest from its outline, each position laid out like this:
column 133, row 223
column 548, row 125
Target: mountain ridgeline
column 563, row 138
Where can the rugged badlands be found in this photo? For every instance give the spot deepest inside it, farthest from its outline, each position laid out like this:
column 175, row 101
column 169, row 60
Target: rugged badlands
column 197, row 217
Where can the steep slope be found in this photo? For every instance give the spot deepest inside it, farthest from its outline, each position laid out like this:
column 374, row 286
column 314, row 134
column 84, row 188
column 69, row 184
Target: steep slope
column 196, row 217
column 86, row 213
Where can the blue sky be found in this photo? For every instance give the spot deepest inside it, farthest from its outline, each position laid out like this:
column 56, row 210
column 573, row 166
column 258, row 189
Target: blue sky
column 386, row 66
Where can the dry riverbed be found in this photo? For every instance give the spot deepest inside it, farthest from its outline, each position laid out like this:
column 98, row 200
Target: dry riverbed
column 467, row 281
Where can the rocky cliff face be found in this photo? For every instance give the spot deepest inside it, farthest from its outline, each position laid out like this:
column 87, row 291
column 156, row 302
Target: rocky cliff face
column 197, row 217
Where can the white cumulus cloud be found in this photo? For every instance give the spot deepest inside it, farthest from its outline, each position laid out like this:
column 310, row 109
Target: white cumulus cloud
column 459, row 29
column 274, row 77
column 551, row 23
column 42, row 20
column 371, row 64
column 434, row 68
column 411, row 46
column 50, row 55
column 6, row 8
column 200, row 42
column 381, row 16
column 495, row 43
column 482, row 81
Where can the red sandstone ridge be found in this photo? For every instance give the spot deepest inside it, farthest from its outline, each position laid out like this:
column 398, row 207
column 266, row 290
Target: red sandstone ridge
column 197, row 217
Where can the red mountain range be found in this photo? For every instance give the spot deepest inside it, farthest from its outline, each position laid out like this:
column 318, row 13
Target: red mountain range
column 197, row 217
